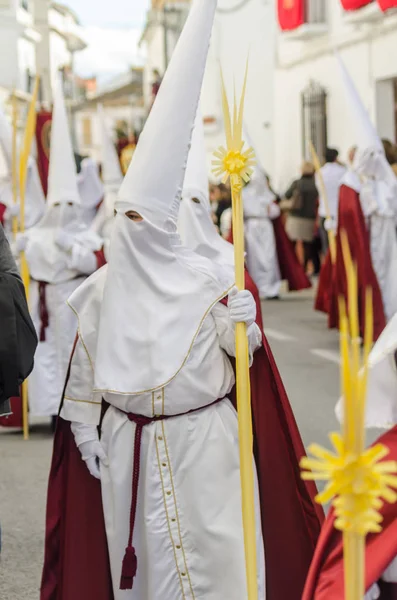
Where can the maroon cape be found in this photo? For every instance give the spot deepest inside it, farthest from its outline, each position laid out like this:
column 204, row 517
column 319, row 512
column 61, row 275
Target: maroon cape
column 290, row 267
column 76, row 564
column 333, row 282
column 326, row 576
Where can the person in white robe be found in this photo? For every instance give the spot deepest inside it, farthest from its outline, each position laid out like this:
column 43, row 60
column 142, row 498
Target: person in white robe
column 260, row 209
column 90, row 188
column 153, row 342
column 34, row 196
column 195, row 223
column 379, row 200
column 378, row 194
column 60, row 252
column 112, row 179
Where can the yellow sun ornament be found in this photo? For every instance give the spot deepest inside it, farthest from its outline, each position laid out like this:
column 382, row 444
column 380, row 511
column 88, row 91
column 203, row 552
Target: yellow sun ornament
column 235, row 163
column 359, row 481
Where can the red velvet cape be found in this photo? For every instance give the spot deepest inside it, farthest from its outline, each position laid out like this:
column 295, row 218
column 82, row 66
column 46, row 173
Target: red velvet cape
column 76, row 563
column 333, row 283
column 325, row 580
column 290, row 267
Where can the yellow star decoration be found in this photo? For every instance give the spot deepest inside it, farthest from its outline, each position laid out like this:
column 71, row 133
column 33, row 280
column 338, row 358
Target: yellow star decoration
column 234, row 161
column 359, row 481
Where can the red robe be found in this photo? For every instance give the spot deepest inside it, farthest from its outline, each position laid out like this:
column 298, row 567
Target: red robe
column 333, row 282
column 3, row 209
column 326, row 577
column 76, row 565
column 290, row 268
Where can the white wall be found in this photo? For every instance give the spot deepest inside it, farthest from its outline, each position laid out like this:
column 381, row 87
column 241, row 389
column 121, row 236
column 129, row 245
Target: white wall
column 369, row 52
column 248, row 33
column 113, row 114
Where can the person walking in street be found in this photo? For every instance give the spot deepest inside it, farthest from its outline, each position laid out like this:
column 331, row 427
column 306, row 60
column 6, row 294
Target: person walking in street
column 302, row 197
column 332, row 174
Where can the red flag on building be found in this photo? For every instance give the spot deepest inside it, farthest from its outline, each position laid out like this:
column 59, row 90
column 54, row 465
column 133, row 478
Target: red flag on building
column 43, row 131
column 387, row 4
column 354, row 4
column 291, row 14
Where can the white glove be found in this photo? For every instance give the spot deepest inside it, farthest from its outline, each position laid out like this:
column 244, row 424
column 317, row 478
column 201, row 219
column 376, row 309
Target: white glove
column 13, row 210
column 87, row 441
column 373, row 593
column 273, row 211
column 329, row 224
column 64, row 240
column 242, row 307
column 92, row 453
column 21, row 242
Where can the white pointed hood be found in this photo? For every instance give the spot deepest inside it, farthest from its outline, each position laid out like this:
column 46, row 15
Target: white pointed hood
column 90, row 186
column 62, row 176
column 47, row 260
column 34, row 196
column 164, row 143
column 5, row 160
column 5, row 145
column 112, row 178
column 257, row 195
column 157, row 293
column 370, row 157
column 195, row 224
column 111, row 170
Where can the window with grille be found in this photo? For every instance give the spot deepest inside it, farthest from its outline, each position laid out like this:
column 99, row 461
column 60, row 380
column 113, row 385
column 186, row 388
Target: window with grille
column 315, row 11
column 314, row 119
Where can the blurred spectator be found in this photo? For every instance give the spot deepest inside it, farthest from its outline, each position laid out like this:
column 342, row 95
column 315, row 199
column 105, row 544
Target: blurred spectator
column 18, row 340
column 301, row 203
column 332, row 174
column 224, row 203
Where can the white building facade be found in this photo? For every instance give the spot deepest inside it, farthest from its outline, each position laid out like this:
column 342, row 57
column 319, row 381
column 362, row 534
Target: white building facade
column 18, row 40
column 243, row 30
column 61, row 37
column 309, row 98
column 294, row 91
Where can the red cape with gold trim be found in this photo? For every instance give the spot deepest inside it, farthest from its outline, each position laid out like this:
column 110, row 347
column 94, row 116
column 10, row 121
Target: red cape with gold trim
column 326, row 576
column 76, row 565
column 333, row 284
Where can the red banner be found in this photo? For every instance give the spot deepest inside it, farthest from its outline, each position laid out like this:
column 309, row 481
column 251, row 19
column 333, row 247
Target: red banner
column 355, row 4
column 43, row 132
column 291, row 14
column 386, row 4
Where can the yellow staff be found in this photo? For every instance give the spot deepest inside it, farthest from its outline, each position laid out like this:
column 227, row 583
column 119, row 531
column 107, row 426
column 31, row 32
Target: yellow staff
column 235, row 163
column 323, row 190
column 14, row 161
column 23, row 171
column 358, row 482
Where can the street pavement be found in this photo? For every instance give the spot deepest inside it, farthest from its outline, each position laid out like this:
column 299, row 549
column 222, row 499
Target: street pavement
column 307, row 356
